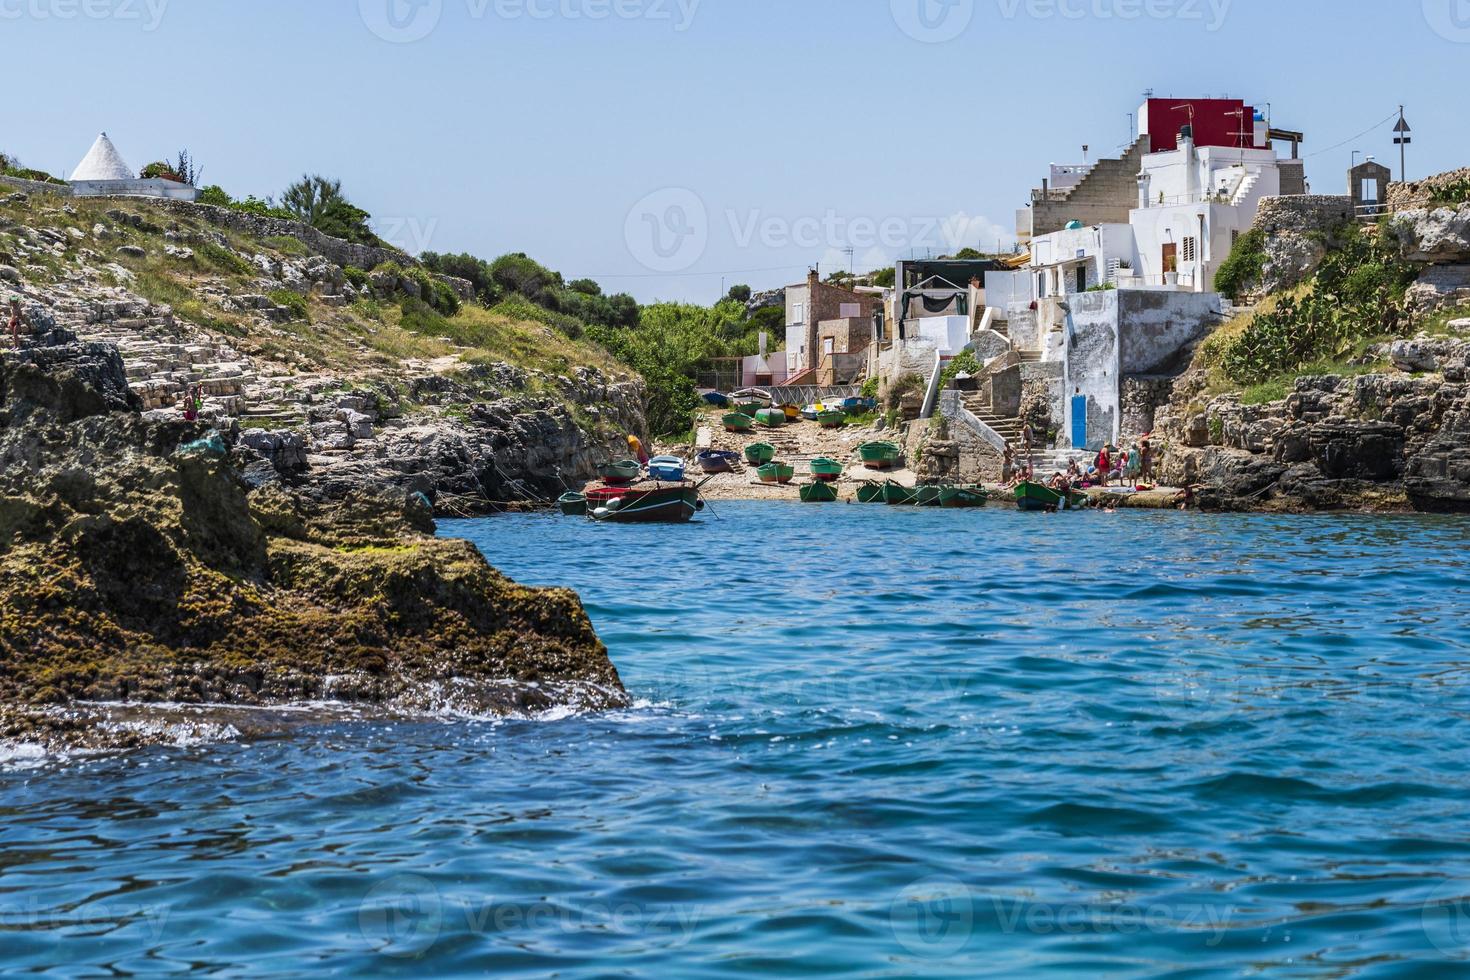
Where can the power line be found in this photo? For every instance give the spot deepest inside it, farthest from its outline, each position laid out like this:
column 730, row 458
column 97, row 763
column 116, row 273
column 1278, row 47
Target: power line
column 1391, row 117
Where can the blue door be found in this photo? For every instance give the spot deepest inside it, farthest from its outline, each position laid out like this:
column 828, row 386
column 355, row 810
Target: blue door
column 1079, row 422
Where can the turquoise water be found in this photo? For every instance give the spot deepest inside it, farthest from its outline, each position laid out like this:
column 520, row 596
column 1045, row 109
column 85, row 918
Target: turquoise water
column 867, row 742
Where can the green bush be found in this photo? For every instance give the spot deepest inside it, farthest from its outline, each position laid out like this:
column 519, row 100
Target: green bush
column 294, row 302
column 357, row 277
column 158, row 170
column 320, row 202
column 870, row 388
column 215, row 194
column 1456, row 193
column 1245, row 265
column 223, row 260
column 1356, row 295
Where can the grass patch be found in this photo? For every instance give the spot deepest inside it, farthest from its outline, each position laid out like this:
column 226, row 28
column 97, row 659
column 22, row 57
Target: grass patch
column 287, row 245
column 294, row 302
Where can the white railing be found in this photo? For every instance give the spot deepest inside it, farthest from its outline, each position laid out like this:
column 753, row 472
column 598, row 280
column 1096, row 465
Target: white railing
column 931, row 396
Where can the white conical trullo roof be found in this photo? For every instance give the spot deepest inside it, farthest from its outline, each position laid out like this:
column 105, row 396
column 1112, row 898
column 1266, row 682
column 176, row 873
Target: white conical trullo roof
column 103, row 162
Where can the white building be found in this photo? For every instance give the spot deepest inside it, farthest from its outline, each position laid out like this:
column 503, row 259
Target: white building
column 103, row 173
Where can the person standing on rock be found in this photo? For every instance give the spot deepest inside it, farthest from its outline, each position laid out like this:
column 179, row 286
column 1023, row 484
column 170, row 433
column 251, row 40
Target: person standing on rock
column 635, row 446
column 17, row 318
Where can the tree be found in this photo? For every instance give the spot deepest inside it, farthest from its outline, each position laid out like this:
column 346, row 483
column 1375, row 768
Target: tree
column 519, row 273
column 320, row 203
column 884, row 278
column 740, row 293
column 588, row 287
column 185, row 170
column 468, row 267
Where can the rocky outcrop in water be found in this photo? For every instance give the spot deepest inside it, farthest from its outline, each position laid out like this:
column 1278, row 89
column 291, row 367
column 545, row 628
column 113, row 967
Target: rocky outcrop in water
column 1377, row 441
column 138, row 565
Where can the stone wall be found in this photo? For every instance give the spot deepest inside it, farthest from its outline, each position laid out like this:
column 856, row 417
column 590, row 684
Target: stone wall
column 1421, row 193
column 36, row 186
column 1142, row 397
column 340, row 252
column 1301, row 214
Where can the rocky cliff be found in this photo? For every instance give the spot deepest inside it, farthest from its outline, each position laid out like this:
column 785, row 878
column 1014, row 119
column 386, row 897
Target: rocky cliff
column 328, row 376
column 139, row 566
column 1393, row 434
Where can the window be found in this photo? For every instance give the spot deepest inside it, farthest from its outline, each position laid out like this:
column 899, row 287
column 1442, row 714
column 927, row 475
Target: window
column 1190, row 251
column 1368, row 192
column 1114, row 266
column 798, row 312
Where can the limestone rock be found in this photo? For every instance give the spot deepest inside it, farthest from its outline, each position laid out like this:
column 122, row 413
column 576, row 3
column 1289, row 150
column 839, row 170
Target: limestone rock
column 1290, row 258
column 132, row 251
column 1440, row 236
column 1440, row 287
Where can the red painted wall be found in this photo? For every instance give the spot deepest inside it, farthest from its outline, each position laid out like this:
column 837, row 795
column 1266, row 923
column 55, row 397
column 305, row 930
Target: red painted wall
column 1212, row 125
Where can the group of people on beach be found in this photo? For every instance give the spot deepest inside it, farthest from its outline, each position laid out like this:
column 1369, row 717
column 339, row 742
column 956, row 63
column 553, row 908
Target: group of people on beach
column 1126, row 467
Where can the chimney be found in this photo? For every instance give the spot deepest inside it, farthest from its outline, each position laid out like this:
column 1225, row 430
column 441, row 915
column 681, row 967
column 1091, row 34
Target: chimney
column 813, row 284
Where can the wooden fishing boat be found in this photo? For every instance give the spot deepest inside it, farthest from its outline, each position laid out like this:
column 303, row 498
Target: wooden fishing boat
column 621, row 473
column 1036, row 497
column 896, row 495
column 826, row 470
column 879, row 455
column 793, row 412
column 666, row 469
column 716, row 399
column 958, row 498
column 832, row 418
column 739, row 422
column 717, row 461
column 777, row 473
column 854, row 406
column 870, row 493
column 751, row 409
column 753, row 394
column 644, row 505
column 760, row 453
column 818, row 493
column 810, row 412
column 573, row 504
column 927, row 496
column 771, row 418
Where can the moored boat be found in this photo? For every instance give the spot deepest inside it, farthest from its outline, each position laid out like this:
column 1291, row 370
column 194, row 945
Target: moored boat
column 777, row 473
column 870, row 493
column 644, row 504
column 573, row 504
column 832, row 418
column 716, row 399
column 879, row 455
column 895, row 494
column 717, row 460
column 1036, row 497
column 818, row 493
column 738, row 422
column 826, row 470
column 927, row 496
column 666, row 469
column 793, row 412
column 771, row 418
column 810, row 412
column 760, row 453
column 751, row 409
column 957, row 498
column 623, row 472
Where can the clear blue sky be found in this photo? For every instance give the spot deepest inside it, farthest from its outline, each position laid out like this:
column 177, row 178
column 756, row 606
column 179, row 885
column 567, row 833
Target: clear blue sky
column 797, row 127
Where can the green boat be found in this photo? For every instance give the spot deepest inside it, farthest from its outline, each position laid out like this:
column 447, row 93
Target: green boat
column 870, row 493
column 751, row 408
column 738, row 422
column 927, row 496
column 879, row 455
column 826, row 470
column 1035, row 497
column 956, row 498
column 832, row 419
column 625, row 472
column 760, row 453
column 818, row 493
column 777, row 473
column 771, row 418
column 573, row 504
column 897, row 495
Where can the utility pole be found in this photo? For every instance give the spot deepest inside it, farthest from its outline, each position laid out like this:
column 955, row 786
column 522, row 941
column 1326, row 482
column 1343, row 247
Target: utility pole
column 1403, row 139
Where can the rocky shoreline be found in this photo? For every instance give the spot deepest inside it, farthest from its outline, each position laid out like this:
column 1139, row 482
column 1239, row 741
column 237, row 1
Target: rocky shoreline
column 139, row 566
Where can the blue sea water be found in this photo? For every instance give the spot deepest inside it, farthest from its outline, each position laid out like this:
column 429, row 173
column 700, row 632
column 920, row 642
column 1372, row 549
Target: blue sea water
column 867, row 742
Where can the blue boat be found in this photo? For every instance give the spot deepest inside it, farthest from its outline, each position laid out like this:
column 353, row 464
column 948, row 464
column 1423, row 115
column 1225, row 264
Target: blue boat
column 716, row 399
column 717, row 461
column 666, row 469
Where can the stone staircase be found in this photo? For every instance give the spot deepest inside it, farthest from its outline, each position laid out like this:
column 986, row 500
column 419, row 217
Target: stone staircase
column 1107, row 193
